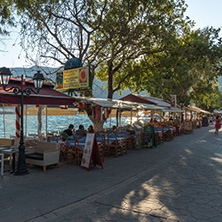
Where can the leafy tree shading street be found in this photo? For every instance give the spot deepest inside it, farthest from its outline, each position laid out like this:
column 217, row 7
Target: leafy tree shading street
column 135, row 44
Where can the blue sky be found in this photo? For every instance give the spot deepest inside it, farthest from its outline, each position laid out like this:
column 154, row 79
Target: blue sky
column 203, row 12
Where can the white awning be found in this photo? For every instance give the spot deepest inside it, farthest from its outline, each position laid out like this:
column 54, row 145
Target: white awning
column 116, row 104
column 173, row 110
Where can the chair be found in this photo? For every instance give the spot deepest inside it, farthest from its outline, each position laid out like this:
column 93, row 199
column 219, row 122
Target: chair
column 79, row 147
column 70, row 153
column 102, row 145
column 122, row 141
column 168, row 135
column 113, row 145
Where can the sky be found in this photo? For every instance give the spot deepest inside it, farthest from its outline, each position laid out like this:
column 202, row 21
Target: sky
column 203, row 12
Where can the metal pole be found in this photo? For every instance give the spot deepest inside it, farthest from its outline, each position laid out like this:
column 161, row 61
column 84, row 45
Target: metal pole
column 131, row 118
column 46, row 121
column 26, row 131
column 21, row 166
column 4, row 118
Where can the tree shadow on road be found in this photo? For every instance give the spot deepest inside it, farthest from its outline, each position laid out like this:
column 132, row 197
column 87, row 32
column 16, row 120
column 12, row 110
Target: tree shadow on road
column 185, row 187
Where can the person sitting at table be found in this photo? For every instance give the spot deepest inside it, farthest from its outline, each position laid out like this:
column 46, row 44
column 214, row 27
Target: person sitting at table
column 81, row 131
column 114, row 129
column 171, row 118
column 90, row 129
column 155, row 120
column 70, row 131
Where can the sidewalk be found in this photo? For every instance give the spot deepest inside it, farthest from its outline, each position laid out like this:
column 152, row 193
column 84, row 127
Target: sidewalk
column 179, row 180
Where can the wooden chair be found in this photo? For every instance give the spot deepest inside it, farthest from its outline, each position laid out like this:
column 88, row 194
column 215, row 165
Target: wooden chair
column 70, row 153
column 123, row 143
column 168, row 135
column 113, row 146
column 102, row 145
column 79, row 150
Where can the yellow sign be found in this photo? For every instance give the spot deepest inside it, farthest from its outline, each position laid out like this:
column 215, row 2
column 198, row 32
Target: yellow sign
column 78, row 78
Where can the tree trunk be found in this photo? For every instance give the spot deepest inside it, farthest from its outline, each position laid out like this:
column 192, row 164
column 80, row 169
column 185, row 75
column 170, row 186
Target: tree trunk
column 40, row 121
column 98, row 124
column 110, row 80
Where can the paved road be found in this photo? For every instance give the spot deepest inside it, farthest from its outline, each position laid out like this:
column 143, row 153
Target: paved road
column 180, row 180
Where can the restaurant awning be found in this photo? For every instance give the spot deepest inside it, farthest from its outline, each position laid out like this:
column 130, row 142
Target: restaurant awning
column 146, row 100
column 47, row 95
column 173, row 110
column 198, row 110
column 116, row 104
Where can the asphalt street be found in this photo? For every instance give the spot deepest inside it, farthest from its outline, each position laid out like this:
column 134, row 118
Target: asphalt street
column 179, row 180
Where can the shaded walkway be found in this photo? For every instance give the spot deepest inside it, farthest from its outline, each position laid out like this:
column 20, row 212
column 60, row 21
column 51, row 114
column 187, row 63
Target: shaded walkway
column 178, row 181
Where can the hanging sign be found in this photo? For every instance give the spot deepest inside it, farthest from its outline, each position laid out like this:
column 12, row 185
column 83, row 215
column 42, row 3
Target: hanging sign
column 173, row 100
column 77, row 79
column 91, row 152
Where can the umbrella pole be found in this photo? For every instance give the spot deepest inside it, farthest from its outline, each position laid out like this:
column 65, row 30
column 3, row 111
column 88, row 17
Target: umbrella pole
column 46, row 121
column 26, row 121
column 131, row 117
column 4, row 118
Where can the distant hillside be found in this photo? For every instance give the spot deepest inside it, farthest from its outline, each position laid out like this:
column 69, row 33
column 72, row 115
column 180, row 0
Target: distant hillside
column 98, row 87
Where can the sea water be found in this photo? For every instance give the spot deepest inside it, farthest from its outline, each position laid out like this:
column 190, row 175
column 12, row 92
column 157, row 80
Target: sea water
column 55, row 123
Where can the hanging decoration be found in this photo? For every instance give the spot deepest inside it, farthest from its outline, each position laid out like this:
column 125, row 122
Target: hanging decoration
column 18, row 117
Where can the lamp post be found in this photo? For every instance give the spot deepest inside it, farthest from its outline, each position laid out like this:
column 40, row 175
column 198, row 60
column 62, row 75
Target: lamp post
column 38, row 80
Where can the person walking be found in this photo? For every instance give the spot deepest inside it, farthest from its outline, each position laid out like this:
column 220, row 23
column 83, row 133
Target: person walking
column 217, row 125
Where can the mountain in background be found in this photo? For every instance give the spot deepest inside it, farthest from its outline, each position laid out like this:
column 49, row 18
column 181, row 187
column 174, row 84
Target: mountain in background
column 98, row 87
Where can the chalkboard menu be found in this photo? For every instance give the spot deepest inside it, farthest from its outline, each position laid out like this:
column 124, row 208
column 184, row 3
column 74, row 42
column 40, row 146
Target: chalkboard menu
column 148, row 136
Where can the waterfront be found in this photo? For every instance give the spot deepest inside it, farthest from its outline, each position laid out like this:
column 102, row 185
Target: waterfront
column 55, row 123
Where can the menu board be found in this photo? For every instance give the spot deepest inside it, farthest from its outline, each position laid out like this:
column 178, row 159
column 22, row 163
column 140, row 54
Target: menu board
column 148, row 136
column 87, row 153
column 91, row 152
column 188, row 126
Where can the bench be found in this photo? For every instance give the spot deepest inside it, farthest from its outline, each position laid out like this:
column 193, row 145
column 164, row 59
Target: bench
column 44, row 154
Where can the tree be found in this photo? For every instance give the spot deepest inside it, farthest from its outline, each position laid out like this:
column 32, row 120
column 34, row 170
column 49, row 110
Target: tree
column 104, row 34
column 6, row 16
column 132, row 30
column 190, row 62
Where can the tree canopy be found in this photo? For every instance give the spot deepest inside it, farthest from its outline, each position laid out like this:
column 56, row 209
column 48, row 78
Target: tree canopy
column 137, row 44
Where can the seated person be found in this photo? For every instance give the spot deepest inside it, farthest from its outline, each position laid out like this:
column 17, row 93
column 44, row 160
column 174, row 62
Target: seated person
column 81, row 132
column 68, row 132
column 114, row 128
column 155, row 120
column 90, row 129
column 171, row 118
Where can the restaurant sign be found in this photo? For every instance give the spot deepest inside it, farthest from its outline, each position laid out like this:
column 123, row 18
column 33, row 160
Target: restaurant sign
column 77, row 79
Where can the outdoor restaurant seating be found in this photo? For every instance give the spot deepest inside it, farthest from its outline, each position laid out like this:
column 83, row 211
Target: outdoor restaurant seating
column 44, row 154
column 74, row 150
column 116, row 144
column 102, row 145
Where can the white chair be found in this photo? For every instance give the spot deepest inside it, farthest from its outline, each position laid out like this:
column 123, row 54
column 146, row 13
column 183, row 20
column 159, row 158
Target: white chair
column 2, row 163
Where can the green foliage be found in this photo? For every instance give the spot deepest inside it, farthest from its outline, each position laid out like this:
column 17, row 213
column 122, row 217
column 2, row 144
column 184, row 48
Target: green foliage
column 6, row 16
column 137, row 44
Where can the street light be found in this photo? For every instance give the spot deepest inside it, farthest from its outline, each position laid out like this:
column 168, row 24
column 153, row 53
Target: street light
column 38, row 80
